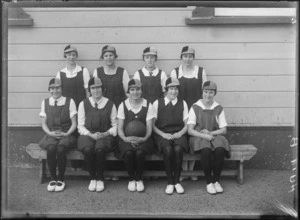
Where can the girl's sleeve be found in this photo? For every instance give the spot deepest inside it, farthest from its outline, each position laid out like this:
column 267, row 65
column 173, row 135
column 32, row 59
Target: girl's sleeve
column 43, row 113
column 58, row 75
column 163, row 80
column 125, row 80
column 155, row 109
column 185, row 111
column 222, row 120
column 113, row 118
column 121, row 114
column 192, row 117
column 72, row 108
column 136, row 75
column 173, row 73
column 86, row 77
column 95, row 73
column 81, row 120
column 150, row 113
column 204, row 77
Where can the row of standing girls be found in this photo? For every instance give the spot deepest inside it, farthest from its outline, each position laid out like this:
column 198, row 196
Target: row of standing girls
column 98, row 126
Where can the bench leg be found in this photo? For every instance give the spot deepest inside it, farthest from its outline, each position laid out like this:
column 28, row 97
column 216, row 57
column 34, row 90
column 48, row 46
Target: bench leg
column 43, row 171
column 240, row 172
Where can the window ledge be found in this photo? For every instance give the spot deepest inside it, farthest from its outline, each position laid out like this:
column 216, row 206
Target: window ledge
column 240, row 20
column 210, row 16
column 17, row 17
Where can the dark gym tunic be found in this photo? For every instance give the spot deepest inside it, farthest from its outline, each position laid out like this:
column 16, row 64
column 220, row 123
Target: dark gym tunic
column 207, row 119
column 190, row 88
column 147, row 146
column 113, row 85
column 152, row 89
column 97, row 120
column 73, row 87
column 170, row 120
column 58, row 118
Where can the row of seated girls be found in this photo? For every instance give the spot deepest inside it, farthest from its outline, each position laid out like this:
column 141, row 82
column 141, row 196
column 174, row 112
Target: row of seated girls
column 134, row 118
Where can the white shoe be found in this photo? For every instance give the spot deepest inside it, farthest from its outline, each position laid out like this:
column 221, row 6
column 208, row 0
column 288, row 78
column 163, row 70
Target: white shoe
column 179, row 188
column 140, row 186
column 59, row 186
column 169, row 189
column 114, row 178
column 99, row 186
column 182, row 178
column 92, row 186
column 218, row 187
column 211, row 188
column 51, row 186
column 194, row 178
column 131, row 186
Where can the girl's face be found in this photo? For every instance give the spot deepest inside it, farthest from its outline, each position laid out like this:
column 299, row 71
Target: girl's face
column 56, row 92
column 187, row 59
column 135, row 93
column 96, row 92
column 150, row 61
column 172, row 92
column 109, row 58
column 208, row 95
column 71, row 57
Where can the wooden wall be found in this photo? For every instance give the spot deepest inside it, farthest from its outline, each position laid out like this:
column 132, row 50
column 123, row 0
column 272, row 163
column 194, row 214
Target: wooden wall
column 253, row 64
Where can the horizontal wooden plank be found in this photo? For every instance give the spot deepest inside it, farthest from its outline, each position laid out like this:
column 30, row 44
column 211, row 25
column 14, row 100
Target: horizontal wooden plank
column 260, row 116
column 213, row 67
column 109, row 18
column 165, row 51
column 148, row 35
column 226, row 99
column 103, row 9
column 238, row 152
column 256, row 99
column 151, row 173
column 254, row 83
column 234, row 116
column 225, row 83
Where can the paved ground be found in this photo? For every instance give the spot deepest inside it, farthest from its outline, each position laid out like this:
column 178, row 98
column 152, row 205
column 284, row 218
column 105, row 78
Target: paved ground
column 262, row 190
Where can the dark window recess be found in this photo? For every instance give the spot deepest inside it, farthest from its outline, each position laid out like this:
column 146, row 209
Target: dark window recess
column 17, row 17
column 205, row 16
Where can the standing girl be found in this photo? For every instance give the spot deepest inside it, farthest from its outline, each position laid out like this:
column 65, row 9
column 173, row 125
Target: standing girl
column 169, row 125
column 191, row 78
column 74, row 78
column 206, row 127
column 115, row 79
column 134, row 144
column 97, row 126
column 152, row 78
column 58, row 115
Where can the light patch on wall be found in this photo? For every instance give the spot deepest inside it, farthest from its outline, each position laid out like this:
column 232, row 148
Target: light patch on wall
column 255, row 12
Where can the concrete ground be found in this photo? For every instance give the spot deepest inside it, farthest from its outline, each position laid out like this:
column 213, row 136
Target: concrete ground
column 262, row 191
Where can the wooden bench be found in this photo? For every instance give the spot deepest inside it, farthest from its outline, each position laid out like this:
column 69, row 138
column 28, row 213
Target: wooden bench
column 239, row 153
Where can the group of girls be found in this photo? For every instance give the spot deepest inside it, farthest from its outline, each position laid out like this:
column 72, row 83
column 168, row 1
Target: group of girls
column 175, row 116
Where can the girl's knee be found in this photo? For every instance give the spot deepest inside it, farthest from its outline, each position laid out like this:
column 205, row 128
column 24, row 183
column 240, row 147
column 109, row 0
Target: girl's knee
column 206, row 152
column 51, row 148
column 88, row 151
column 178, row 149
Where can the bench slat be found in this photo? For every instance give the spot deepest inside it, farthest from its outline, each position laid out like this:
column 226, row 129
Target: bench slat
column 238, row 152
column 161, row 173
